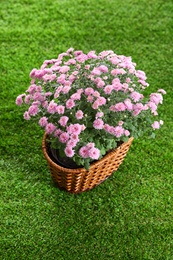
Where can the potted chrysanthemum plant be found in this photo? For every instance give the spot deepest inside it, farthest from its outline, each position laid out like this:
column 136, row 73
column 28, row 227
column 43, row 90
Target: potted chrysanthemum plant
column 90, row 106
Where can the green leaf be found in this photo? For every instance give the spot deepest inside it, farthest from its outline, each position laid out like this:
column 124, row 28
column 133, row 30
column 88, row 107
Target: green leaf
column 153, row 135
column 87, row 164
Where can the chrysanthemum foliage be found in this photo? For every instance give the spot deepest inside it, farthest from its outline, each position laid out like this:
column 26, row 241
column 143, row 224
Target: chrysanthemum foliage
column 87, row 103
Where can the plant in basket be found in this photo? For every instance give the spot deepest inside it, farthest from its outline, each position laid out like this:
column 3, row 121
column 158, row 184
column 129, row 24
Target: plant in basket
column 89, row 103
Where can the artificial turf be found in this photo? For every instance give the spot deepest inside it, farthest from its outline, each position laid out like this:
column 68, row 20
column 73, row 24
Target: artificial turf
column 130, row 215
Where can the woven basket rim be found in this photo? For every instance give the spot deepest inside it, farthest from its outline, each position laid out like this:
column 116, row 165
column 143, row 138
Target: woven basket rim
column 92, row 166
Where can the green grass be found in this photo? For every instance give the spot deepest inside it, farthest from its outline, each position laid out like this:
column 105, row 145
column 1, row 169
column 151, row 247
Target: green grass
column 130, row 215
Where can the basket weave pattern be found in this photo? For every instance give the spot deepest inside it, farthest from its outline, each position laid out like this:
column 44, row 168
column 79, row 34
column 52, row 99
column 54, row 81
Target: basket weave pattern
column 79, row 180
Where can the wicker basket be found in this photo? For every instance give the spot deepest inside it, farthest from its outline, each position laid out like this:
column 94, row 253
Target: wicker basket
column 79, row 180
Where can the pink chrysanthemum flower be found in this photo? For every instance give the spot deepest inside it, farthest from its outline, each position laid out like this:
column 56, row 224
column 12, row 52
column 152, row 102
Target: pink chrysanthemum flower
column 107, row 128
column 128, row 104
column 61, row 79
column 103, row 68
column 156, row 125
column 19, row 100
column 84, row 152
column 57, row 132
column 38, row 96
column 79, row 114
column 26, row 115
column 43, row 121
column 95, row 105
column 92, row 55
column 63, row 120
column 27, row 99
column 71, row 62
column 94, row 153
column 162, row 91
column 141, row 74
column 156, row 98
column 90, row 98
column 74, row 137
column 50, row 128
column 60, row 109
column 75, row 96
column 137, row 109
column 70, row 103
column 100, row 83
column 64, row 69
column 71, row 143
column 119, row 131
column 136, row 96
column 96, row 72
column 126, row 133
column 120, row 107
column 74, row 129
column 101, row 101
column 89, row 91
column 32, row 73
column 69, row 151
column 99, row 114
column 32, row 89
column 120, row 123
column 96, row 94
column 58, row 91
column 66, row 89
column 108, row 89
column 90, row 145
column 98, row 124
column 64, row 137
column 82, row 58
column 52, row 107
column 33, row 110
column 152, row 106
